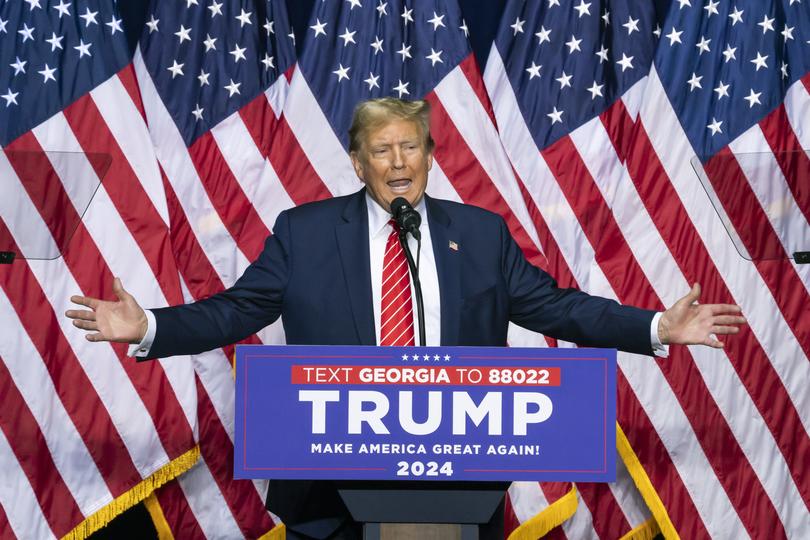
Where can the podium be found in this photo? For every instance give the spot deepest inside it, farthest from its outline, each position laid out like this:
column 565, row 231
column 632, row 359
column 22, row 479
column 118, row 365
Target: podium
column 424, row 435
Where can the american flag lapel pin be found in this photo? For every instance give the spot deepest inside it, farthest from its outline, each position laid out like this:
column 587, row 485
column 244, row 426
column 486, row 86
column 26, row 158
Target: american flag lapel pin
column 453, row 246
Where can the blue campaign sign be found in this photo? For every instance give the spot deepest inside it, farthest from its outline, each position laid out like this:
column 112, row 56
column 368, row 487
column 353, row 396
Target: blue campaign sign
column 425, row 413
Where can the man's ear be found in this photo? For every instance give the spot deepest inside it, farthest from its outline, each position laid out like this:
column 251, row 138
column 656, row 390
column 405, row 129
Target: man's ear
column 357, row 164
column 429, row 160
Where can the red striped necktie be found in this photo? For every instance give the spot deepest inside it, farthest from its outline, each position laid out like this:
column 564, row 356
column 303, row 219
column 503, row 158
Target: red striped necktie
column 396, row 317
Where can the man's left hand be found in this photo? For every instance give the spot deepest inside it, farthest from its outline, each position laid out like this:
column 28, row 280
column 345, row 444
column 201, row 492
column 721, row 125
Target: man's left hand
column 690, row 323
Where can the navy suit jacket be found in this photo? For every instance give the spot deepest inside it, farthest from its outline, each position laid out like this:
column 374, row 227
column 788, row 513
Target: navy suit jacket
column 314, row 270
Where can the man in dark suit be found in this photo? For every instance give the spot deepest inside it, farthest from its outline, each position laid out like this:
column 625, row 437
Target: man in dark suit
column 322, row 270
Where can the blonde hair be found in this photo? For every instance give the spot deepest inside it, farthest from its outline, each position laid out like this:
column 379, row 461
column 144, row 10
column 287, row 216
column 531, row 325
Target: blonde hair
column 375, row 113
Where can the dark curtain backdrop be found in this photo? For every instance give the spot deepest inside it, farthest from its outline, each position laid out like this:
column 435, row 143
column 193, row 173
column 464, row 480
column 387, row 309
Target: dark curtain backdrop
column 482, row 18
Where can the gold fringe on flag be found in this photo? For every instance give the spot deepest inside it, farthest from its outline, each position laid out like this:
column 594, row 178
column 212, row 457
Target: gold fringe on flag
column 152, row 505
column 645, row 531
column 279, row 532
column 141, row 491
column 555, row 514
column 644, row 485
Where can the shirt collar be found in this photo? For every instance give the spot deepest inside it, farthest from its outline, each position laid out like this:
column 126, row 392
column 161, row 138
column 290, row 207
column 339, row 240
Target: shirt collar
column 378, row 218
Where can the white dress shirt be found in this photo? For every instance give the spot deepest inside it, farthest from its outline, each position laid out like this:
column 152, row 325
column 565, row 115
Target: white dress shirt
column 378, row 231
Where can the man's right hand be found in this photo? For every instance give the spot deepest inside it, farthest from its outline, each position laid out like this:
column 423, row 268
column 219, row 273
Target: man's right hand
column 122, row 321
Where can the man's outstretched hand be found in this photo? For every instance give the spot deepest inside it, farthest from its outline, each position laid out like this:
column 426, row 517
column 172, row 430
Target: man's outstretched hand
column 690, row 323
column 123, row 321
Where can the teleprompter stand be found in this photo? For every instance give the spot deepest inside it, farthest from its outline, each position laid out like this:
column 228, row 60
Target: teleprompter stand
column 472, row 505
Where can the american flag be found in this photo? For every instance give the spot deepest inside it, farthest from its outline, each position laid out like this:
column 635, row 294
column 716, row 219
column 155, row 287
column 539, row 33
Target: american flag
column 612, row 113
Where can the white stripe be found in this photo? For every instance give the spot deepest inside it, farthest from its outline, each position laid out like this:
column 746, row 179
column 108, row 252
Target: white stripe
column 594, row 145
column 527, row 499
column 740, row 276
column 580, row 525
column 214, row 238
column 252, row 171
column 476, row 128
column 17, row 497
column 277, row 94
column 208, row 504
column 797, row 107
column 125, row 122
column 439, row 186
column 317, row 139
column 32, row 379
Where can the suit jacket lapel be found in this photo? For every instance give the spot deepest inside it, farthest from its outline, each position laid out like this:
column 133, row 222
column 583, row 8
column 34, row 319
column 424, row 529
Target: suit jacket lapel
column 352, row 240
column 448, row 267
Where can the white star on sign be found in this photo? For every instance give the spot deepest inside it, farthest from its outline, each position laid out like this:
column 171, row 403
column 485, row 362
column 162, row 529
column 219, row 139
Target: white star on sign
column 268, row 62
column 722, row 90
column 728, row 53
column 405, row 52
column 766, row 24
column 209, row 43
column 736, row 16
column 759, row 61
column 602, row 53
column 533, row 71
column 19, row 65
column 631, row 25
column 596, row 90
column 377, row 45
column 152, row 24
column 434, row 57
column 47, row 73
column 203, row 78
column 416, row 357
column 674, row 37
column 436, row 357
column 694, row 82
column 556, row 116
column 198, row 112
column 703, row 45
column 83, row 48
column 543, row 35
column 26, row 33
column 319, row 27
column 583, row 8
column 402, row 88
column 342, row 72
column 216, row 9
column 753, row 98
column 183, row 33
column 715, row 127
column 10, row 97
column 426, row 357
column 238, row 54
column 62, row 8
column 232, row 88
column 381, row 8
column 372, row 81
column 348, row 37
column 115, row 26
column 406, row 15
column 517, row 26
column 626, row 62
column 55, row 41
column 573, row 44
column 446, row 357
column 436, row 21
column 176, row 69
column 564, row 80
column 244, row 17
column 405, row 357
column 711, row 9
column 89, row 17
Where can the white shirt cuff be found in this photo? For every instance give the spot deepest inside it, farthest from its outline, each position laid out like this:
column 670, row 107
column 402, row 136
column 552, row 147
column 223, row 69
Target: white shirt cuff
column 141, row 350
column 659, row 349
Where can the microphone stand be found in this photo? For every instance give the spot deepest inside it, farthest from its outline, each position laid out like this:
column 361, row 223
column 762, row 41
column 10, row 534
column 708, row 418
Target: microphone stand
column 420, row 308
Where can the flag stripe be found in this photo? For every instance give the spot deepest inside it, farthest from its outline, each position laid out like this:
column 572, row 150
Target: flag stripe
column 606, row 516
column 469, row 67
column 632, row 287
column 177, row 512
column 31, row 450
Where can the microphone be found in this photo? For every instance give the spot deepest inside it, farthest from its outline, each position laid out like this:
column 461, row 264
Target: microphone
column 406, row 217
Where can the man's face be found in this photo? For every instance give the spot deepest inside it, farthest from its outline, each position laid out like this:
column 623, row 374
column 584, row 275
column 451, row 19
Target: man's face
column 393, row 162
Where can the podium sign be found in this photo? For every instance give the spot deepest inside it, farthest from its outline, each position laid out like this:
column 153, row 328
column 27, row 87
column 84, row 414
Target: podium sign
column 425, row 413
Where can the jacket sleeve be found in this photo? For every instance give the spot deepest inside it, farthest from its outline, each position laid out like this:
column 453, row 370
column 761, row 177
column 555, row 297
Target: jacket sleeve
column 252, row 303
column 536, row 303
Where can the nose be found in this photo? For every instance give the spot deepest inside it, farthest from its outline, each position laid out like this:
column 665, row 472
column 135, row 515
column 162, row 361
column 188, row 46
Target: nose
column 397, row 158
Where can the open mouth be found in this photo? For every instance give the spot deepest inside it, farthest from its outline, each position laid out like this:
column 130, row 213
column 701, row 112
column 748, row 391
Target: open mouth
column 400, row 185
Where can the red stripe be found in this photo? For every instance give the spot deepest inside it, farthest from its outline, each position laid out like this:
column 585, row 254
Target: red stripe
column 29, row 446
column 470, row 180
column 277, row 142
column 217, row 450
column 470, row 68
column 792, row 159
column 229, row 200
column 607, row 517
column 73, row 387
column 5, row 527
column 743, row 350
column 510, row 519
column 179, row 516
column 127, row 78
column 92, row 274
